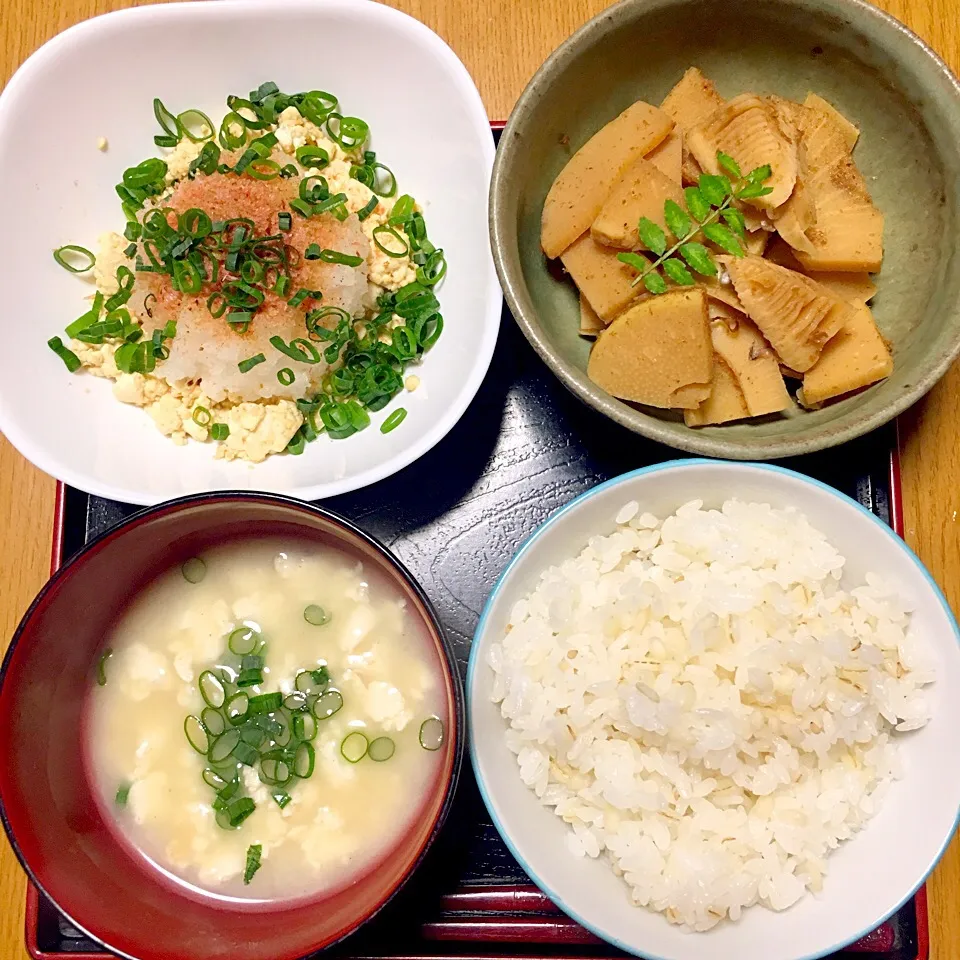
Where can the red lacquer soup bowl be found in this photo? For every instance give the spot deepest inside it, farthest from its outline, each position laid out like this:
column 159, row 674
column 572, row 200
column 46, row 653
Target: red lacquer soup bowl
column 46, row 797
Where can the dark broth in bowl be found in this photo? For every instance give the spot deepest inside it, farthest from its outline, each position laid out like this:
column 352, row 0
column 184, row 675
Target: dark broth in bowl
column 267, row 720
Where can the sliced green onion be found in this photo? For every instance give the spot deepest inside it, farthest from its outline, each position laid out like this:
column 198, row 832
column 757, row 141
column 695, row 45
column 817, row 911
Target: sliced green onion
column 298, row 349
column 222, row 746
column 304, row 760
column 244, row 640
column 315, row 615
column 384, row 191
column 196, row 734
column 253, row 862
column 353, row 747
column 335, row 256
column 236, row 813
column 324, row 206
column 286, row 376
column 385, row 230
column 219, row 432
column 168, row 122
column 211, row 689
column 312, row 683
column 327, row 704
column 194, row 120
column 122, row 795
column 245, row 366
column 227, row 793
column 350, row 132
column 125, row 282
column 282, row 798
column 265, row 703
column 202, row 416
column 282, row 285
column 402, row 210
column 251, row 671
column 252, row 734
column 302, row 207
column 74, row 252
column 195, row 223
column 236, row 707
column 394, row 420
column 102, row 666
column 383, row 748
column 229, row 138
column 312, row 156
column 274, row 769
column 144, row 174
column 433, row 270
column 288, row 170
column 368, row 208
column 194, row 570
column 296, row 701
column 284, row 221
column 246, row 753
column 298, row 298
column 213, row 779
column 431, row 733
column 314, row 192
column 305, row 726
column 212, row 721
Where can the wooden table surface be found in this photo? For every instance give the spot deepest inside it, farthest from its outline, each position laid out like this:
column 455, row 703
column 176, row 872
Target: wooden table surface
column 502, row 42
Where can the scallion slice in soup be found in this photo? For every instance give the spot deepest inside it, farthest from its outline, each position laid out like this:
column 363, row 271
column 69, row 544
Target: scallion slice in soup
column 243, row 641
column 222, row 747
column 274, row 769
column 383, row 748
column 211, row 689
column 304, row 726
column 196, row 734
column 252, row 734
column 122, row 795
column 431, row 733
column 212, row 721
column 296, row 701
column 213, row 779
column 225, row 795
column 236, row 812
column 282, row 798
column 237, row 707
column 312, row 683
column 328, row 703
column 354, row 746
column 245, row 753
column 316, row 616
column 265, row 703
column 251, row 671
column 194, row 570
column 303, row 761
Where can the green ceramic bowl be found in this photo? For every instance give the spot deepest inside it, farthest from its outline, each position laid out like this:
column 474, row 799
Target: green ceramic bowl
column 878, row 73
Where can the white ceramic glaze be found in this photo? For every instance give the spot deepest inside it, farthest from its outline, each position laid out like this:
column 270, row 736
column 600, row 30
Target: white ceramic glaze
column 98, row 79
column 870, row 876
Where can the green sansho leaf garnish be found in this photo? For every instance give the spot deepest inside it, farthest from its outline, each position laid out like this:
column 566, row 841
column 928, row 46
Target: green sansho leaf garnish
column 709, row 212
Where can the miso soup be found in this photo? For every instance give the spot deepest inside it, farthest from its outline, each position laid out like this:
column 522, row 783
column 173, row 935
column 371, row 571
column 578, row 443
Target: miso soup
column 267, row 720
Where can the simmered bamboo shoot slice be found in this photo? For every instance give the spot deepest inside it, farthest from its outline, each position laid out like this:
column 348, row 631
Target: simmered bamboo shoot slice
column 576, row 196
column 658, row 352
column 606, row 283
column 857, row 288
column 795, row 314
column 754, row 365
column 668, row 157
column 725, row 402
column 641, row 192
column 749, row 129
column 590, row 323
column 849, row 131
column 856, row 357
column 693, row 99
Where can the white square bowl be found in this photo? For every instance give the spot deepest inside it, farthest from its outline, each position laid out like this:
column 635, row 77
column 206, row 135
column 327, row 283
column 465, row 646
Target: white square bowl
column 870, row 876
column 98, row 79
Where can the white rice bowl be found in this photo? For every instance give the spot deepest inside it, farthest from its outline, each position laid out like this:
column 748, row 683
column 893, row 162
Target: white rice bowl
column 680, row 720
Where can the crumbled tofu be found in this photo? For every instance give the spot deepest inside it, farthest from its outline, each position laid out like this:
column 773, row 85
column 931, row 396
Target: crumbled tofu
column 411, row 383
column 110, row 256
column 294, row 130
column 180, row 157
column 102, row 144
column 386, row 706
column 258, row 429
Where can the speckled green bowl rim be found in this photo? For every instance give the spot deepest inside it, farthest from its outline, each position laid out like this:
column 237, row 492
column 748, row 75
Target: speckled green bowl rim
column 503, row 240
